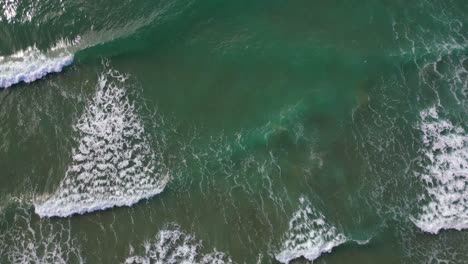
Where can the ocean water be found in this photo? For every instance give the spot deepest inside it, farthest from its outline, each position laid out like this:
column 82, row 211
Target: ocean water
column 183, row 131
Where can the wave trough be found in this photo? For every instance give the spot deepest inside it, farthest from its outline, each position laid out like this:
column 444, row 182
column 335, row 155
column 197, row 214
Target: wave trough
column 114, row 164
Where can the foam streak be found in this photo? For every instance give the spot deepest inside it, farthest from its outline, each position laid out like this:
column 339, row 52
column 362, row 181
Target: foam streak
column 172, row 246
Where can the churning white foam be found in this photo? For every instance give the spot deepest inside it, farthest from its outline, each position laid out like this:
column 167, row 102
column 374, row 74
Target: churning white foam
column 8, row 10
column 309, row 235
column 173, row 246
column 31, row 64
column 445, row 175
column 114, row 164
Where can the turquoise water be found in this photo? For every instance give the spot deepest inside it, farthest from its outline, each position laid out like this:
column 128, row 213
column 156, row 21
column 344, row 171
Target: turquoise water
column 233, row 131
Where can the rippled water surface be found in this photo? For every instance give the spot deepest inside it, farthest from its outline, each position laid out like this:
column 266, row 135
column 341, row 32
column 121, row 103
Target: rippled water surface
column 184, row 131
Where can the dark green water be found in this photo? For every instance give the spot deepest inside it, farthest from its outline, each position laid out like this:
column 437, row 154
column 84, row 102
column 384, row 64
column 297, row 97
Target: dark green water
column 186, row 131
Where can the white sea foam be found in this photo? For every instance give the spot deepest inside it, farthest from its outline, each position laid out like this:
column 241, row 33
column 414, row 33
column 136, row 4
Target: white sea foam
column 17, row 11
column 114, row 164
column 445, row 177
column 309, row 235
column 24, row 240
column 8, row 9
column 173, row 246
column 31, row 64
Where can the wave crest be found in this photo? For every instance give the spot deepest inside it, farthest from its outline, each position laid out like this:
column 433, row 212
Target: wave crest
column 32, row 64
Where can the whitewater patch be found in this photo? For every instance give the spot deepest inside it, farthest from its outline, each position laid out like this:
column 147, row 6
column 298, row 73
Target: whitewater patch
column 309, row 235
column 32, row 64
column 445, row 175
column 114, row 164
column 9, row 10
column 172, row 246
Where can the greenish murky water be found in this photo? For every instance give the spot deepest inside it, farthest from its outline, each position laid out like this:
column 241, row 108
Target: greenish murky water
column 183, row 131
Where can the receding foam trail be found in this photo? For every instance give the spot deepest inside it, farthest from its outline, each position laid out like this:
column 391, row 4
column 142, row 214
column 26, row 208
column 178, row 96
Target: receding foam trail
column 31, row 64
column 445, row 177
column 26, row 241
column 309, row 235
column 173, row 246
column 114, row 164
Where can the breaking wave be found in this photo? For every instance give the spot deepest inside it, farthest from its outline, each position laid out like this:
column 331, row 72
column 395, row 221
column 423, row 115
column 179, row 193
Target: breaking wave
column 173, row 246
column 31, row 64
column 114, row 164
column 445, row 176
column 309, row 235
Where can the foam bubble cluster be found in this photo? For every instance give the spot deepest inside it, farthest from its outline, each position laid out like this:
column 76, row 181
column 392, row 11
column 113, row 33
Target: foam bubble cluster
column 445, row 176
column 30, row 65
column 114, row 164
column 9, row 8
column 309, row 235
column 173, row 246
